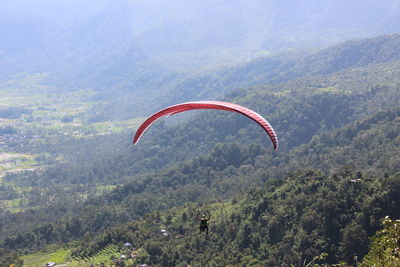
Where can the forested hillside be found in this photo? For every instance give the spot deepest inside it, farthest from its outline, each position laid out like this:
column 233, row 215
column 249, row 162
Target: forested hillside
column 335, row 177
column 283, row 222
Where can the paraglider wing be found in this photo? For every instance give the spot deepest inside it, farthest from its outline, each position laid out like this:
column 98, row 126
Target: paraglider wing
column 172, row 110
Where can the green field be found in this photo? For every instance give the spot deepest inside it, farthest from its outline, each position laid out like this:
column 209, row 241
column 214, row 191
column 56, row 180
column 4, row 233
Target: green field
column 14, row 162
column 61, row 256
column 38, row 259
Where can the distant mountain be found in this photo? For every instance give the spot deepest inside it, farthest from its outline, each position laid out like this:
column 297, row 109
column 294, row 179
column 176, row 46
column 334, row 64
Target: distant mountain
column 157, row 51
column 346, row 55
column 171, row 88
column 87, row 36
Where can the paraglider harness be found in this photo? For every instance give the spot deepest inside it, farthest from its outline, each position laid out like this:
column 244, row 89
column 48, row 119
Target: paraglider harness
column 203, row 222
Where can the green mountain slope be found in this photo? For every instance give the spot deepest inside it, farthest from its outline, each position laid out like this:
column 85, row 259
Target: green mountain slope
column 292, row 220
column 348, row 118
column 357, row 194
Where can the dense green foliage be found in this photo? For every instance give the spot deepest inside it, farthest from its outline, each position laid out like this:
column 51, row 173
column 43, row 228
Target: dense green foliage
column 385, row 247
column 285, row 222
column 8, row 257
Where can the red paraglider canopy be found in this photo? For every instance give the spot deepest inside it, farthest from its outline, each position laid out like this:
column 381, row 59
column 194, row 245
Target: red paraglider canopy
column 208, row 105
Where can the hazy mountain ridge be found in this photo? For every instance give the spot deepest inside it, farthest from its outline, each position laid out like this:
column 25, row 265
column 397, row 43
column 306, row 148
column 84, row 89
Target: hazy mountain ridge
column 350, row 54
column 187, row 26
column 167, row 89
column 98, row 43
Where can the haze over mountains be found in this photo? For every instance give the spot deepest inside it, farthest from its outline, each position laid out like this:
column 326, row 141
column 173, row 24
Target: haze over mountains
column 113, row 36
column 125, row 48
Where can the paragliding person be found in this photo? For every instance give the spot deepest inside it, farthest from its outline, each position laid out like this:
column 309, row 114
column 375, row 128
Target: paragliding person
column 217, row 105
column 203, row 222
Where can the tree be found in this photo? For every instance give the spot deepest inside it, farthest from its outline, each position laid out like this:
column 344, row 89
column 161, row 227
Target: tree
column 385, row 247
